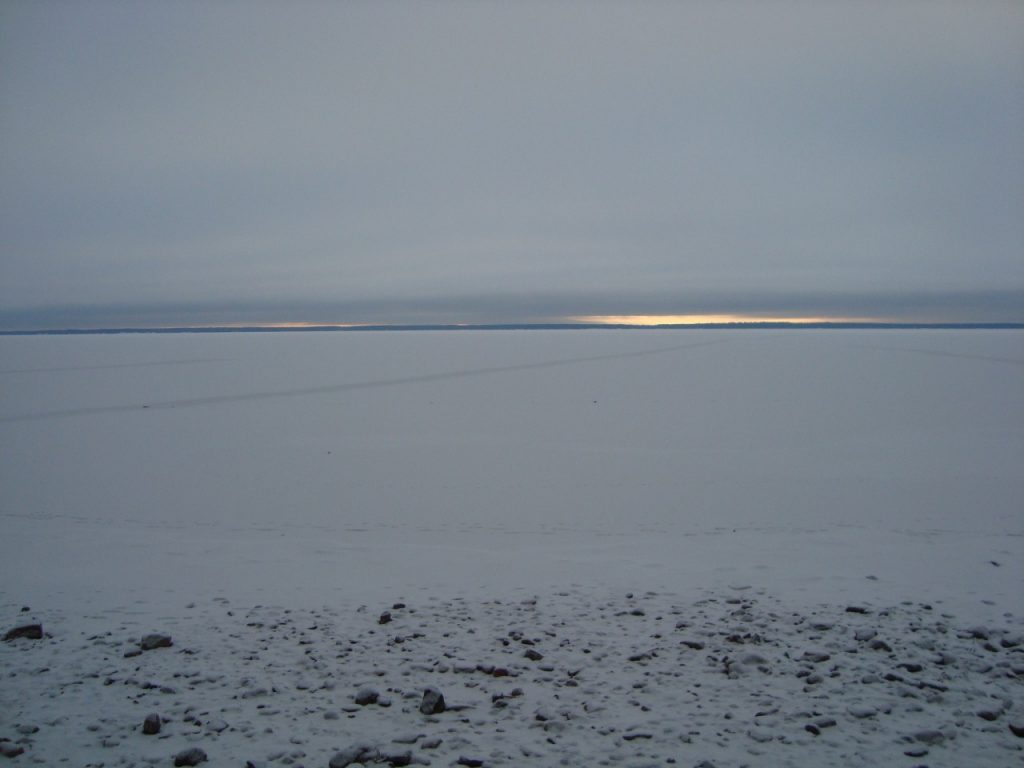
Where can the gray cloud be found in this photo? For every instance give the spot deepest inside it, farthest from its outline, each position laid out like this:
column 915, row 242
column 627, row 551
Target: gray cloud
column 399, row 158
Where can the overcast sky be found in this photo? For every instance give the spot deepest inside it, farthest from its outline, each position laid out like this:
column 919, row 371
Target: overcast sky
column 508, row 161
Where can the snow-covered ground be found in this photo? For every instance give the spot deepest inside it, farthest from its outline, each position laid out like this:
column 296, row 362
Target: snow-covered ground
column 617, row 499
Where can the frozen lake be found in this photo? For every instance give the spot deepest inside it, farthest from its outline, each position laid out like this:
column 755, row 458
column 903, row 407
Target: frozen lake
column 312, row 467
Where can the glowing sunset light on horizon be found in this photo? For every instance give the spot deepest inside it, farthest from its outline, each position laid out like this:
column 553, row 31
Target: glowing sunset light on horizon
column 711, row 319
column 637, row 320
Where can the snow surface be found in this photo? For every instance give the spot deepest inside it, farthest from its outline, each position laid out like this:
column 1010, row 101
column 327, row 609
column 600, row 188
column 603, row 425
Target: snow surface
column 748, row 486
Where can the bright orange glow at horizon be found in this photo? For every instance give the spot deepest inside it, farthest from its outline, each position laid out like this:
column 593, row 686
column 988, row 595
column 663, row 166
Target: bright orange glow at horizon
column 707, row 319
column 635, row 320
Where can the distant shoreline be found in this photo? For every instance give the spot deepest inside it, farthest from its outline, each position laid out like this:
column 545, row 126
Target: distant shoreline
column 518, row 327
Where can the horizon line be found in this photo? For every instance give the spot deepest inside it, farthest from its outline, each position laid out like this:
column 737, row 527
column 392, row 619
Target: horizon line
column 640, row 326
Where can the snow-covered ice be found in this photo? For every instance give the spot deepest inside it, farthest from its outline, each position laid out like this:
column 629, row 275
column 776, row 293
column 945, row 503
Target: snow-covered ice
column 746, row 548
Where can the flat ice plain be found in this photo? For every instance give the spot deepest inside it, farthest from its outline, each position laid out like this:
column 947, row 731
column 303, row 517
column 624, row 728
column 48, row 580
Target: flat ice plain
column 612, row 498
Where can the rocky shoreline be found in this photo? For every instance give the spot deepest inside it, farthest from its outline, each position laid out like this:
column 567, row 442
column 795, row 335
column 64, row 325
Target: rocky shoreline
column 576, row 677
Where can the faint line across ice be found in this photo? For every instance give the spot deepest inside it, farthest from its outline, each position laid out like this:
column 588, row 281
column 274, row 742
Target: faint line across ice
column 105, row 367
column 348, row 387
column 945, row 353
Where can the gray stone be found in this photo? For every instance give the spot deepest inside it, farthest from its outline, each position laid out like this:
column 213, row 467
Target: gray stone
column 151, row 725
column 191, row 756
column 357, row 753
column 432, row 702
column 815, row 657
column 408, row 738
column 154, row 641
column 930, row 737
column 366, row 696
column 634, row 735
column 27, row 631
